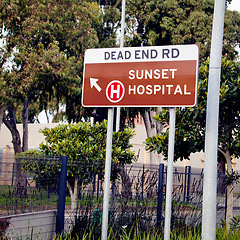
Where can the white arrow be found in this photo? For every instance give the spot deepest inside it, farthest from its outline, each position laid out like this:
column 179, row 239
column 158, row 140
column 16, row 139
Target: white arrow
column 93, row 83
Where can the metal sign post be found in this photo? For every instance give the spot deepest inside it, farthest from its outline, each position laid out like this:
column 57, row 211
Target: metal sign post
column 121, row 46
column 211, row 138
column 171, row 140
column 107, row 173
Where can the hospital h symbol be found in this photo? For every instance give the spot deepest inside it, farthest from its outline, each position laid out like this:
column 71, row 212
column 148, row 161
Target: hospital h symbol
column 117, row 91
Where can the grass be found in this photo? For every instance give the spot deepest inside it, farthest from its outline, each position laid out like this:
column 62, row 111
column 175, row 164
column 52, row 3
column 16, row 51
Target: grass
column 184, row 204
column 34, row 199
column 34, row 194
column 223, row 234
column 156, row 234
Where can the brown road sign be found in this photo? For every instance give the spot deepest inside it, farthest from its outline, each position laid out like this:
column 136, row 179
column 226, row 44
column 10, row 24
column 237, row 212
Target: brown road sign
column 142, row 76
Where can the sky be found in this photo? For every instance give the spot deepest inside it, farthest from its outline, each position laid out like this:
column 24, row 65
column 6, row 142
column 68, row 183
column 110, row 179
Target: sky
column 235, row 5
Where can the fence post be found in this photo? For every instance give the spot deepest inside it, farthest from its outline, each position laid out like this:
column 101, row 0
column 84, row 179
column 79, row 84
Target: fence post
column 94, row 184
column 225, row 208
column 62, row 196
column 188, row 183
column 97, row 187
column 185, row 184
column 143, row 180
column 160, row 193
column 13, row 173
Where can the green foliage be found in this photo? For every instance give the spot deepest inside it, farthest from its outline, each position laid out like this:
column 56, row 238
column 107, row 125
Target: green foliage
column 190, row 122
column 86, row 141
column 235, row 223
column 185, row 234
column 45, row 41
column 37, row 198
column 164, row 22
column 195, row 234
column 231, row 178
column 85, row 146
column 222, row 233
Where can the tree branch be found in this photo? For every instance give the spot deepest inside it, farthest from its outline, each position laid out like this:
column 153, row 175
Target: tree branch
column 221, row 151
column 7, row 123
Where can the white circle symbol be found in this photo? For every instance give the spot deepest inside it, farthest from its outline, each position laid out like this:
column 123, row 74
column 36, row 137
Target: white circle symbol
column 115, row 91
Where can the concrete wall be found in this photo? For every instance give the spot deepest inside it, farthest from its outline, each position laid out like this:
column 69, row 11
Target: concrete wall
column 197, row 159
column 7, row 169
column 35, row 138
column 38, row 225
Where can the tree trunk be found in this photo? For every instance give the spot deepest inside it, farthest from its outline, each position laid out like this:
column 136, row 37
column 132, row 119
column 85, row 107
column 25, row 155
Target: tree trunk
column 20, row 178
column 159, row 126
column 221, row 189
column 114, row 198
column 74, row 199
column 2, row 109
column 152, row 128
column 12, row 126
column 25, row 126
column 46, row 115
column 229, row 213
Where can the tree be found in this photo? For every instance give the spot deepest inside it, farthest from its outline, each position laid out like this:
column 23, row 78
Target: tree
column 190, row 123
column 45, row 43
column 85, row 145
column 164, row 22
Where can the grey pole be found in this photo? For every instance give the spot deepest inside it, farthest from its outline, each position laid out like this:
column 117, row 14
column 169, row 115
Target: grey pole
column 122, row 23
column 121, row 46
column 118, row 119
column 171, row 139
column 107, row 173
column 211, row 137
